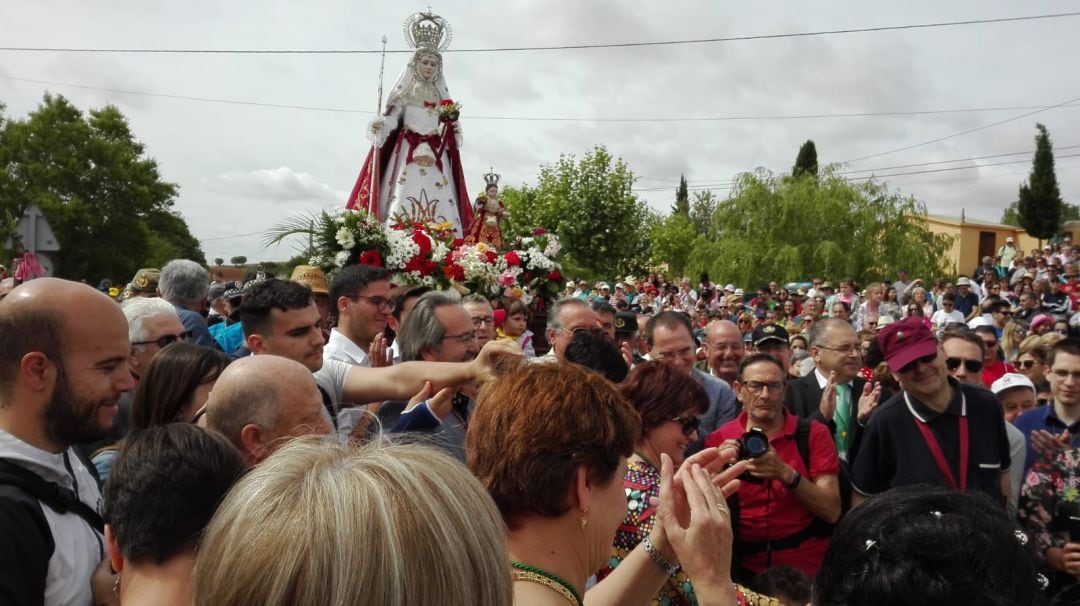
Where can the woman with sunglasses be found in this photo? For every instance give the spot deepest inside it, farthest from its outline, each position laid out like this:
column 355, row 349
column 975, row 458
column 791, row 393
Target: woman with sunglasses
column 668, row 402
column 1012, row 335
column 1032, row 360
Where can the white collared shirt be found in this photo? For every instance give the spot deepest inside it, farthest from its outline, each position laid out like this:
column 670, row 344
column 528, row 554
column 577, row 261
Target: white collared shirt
column 340, row 348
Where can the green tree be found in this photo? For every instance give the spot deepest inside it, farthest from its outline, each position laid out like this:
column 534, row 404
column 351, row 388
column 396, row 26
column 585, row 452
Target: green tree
column 218, row 261
column 702, row 211
column 1039, row 203
column 806, row 162
column 1011, row 216
column 793, row 229
column 238, row 261
column 682, row 199
column 589, row 204
column 103, row 197
column 672, row 241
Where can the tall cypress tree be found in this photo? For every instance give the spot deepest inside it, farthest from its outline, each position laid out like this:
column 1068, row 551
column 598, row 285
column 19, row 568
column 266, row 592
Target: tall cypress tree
column 1040, row 204
column 682, row 199
column 806, row 161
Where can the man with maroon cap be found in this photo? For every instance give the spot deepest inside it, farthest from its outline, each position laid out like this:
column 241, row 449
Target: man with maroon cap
column 936, row 430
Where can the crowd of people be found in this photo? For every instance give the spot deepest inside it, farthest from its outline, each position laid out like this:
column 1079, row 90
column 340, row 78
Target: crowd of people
column 349, row 441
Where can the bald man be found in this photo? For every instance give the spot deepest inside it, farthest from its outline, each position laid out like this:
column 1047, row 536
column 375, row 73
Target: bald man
column 63, row 367
column 259, row 402
column 724, row 349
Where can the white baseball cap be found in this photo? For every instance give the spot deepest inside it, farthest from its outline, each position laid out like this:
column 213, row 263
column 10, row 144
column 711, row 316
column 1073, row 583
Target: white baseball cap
column 1011, row 380
column 962, row 281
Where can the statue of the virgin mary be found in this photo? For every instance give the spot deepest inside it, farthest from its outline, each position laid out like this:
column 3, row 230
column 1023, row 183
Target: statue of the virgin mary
column 413, row 171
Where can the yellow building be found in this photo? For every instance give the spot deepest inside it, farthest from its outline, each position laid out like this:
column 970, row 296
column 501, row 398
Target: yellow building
column 973, row 239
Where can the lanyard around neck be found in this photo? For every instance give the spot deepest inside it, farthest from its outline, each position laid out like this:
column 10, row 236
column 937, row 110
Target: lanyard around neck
column 939, row 456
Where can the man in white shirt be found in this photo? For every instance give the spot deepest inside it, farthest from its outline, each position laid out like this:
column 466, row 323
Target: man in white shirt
column 360, row 296
column 63, row 368
column 948, row 313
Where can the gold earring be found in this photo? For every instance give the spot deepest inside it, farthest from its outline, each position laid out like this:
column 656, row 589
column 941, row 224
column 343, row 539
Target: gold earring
column 584, row 520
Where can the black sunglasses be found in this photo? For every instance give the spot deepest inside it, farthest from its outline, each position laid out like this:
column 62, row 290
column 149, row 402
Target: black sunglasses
column 166, row 340
column 1026, row 364
column 689, row 424
column 1041, row 401
column 969, row 365
column 910, row 366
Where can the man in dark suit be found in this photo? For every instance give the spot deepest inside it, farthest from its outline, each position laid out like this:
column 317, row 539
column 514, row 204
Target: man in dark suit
column 834, row 394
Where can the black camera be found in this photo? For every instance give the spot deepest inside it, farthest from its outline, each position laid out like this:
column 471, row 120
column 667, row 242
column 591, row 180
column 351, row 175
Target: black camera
column 753, row 444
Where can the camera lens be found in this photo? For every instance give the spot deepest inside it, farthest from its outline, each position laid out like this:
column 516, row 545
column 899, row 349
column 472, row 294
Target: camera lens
column 756, row 445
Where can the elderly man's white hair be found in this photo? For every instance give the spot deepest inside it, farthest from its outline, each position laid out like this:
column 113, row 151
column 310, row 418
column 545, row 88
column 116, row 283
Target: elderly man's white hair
column 140, row 309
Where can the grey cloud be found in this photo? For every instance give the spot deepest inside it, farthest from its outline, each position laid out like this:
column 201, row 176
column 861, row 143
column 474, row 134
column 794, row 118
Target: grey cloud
column 281, row 184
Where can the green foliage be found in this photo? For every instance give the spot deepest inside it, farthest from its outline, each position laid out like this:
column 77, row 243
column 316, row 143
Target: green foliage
column 672, row 242
column 104, row 199
column 589, row 204
column 218, row 261
column 238, row 261
column 806, row 162
column 682, row 199
column 1039, row 206
column 793, row 229
column 702, row 211
column 1011, row 216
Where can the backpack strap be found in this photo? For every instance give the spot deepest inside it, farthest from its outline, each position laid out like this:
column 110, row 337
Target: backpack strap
column 802, row 440
column 57, row 497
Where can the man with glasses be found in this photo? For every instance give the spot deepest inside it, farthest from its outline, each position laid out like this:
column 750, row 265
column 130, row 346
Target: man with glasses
column 993, row 366
column 439, row 329
column 482, row 315
column 936, row 430
column 834, row 394
column 567, row 316
column 360, row 296
column 185, row 284
column 788, row 505
column 947, row 314
column 1057, row 425
column 1000, row 314
column 965, row 353
column 669, row 338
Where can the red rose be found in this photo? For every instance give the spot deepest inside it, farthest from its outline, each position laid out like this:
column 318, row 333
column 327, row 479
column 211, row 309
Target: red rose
column 528, row 276
column 539, row 231
column 454, row 272
column 512, row 259
column 428, row 267
column 413, row 264
column 423, row 242
column 446, row 102
column 554, row 276
column 491, row 256
column 371, row 257
column 457, row 243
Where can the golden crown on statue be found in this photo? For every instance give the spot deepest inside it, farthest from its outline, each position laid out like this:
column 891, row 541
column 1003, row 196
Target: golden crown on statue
column 427, row 31
column 490, row 178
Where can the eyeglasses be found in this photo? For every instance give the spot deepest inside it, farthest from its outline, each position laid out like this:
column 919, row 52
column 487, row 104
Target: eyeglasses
column 478, row 321
column 1064, row 374
column 1042, row 401
column 687, row 352
column 910, row 366
column 464, row 338
column 846, row 350
column 969, row 365
column 946, row 304
column 166, row 340
column 689, row 424
column 1026, row 364
column 759, row 386
column 990, row 344
column 1006, row 313
column 378, row 302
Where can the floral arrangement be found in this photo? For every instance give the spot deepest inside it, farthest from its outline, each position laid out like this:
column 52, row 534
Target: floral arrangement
column 448, row 110
column 431, row 254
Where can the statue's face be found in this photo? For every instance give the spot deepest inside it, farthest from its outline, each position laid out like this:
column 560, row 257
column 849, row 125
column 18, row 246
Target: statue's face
column 492, row 191
column 427, row 65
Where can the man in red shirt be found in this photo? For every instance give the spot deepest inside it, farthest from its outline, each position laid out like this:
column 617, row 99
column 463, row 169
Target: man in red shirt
column 993, row 367
column 790, row 499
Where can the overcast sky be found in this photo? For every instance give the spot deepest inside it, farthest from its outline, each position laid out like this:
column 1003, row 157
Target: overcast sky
column 242, row 168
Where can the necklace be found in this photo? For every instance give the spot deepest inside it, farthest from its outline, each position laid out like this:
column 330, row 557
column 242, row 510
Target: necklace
column 532, row 574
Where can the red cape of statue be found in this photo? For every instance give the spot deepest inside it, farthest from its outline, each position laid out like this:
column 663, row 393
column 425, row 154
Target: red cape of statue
column 365, row 197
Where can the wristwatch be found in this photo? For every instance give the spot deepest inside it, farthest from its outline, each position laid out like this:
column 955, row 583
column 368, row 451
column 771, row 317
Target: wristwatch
column 795, row 479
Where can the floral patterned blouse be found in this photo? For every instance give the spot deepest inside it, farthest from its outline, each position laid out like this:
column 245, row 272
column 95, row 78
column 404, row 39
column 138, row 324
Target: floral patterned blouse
column 641, row 482
column 1051, row 492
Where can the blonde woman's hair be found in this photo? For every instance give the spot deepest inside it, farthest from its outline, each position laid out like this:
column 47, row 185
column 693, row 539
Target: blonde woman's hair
column 320, row 523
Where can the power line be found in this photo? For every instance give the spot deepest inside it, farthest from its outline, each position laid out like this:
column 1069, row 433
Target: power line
column 885, row 28
column 963, row 132
column 867, row 114
column 731, row 183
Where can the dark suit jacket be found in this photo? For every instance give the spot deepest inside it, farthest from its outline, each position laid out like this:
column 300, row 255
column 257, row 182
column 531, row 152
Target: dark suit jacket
column 803, row 398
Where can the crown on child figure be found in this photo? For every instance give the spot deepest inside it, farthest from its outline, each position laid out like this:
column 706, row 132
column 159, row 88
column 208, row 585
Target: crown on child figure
column 491, row 178
column 427, row 31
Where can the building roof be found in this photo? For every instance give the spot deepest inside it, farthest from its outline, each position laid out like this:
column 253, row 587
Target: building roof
column 973, row 222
